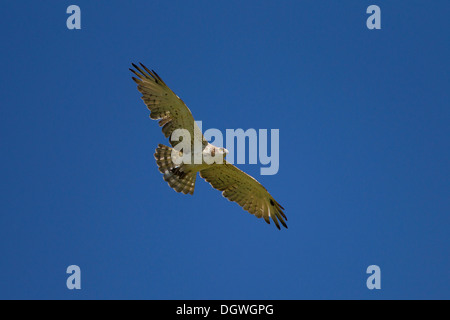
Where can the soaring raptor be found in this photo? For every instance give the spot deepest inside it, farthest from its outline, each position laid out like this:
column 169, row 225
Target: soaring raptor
column 173, row 114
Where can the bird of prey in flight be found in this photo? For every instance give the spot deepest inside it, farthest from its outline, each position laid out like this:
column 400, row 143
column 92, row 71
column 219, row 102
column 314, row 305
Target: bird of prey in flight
column 173, row 114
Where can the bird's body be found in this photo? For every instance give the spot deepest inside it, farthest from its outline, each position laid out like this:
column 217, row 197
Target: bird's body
column 180, row 168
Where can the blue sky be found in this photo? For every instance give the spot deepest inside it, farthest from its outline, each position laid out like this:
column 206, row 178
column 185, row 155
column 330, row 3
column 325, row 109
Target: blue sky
column 364, row 149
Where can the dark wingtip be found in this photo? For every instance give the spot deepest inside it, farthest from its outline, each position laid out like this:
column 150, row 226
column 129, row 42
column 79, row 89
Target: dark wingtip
column 145, row 67
column 157, row 75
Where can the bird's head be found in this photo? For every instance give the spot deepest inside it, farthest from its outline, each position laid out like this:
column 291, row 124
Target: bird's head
column 217, row 152
column 223, row 151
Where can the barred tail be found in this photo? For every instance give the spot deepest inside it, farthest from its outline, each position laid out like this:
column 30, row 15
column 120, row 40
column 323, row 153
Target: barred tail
column 175, row 176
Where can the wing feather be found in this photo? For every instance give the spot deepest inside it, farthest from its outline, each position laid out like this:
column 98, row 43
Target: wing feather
column 165, row 105
column 239, row 187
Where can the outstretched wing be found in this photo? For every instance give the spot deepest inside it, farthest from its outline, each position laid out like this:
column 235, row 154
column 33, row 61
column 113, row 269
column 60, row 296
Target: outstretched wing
column 164, row 104
column 245, row 190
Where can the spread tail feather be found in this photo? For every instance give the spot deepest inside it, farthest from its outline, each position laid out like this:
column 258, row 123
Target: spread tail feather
column 174, row 174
